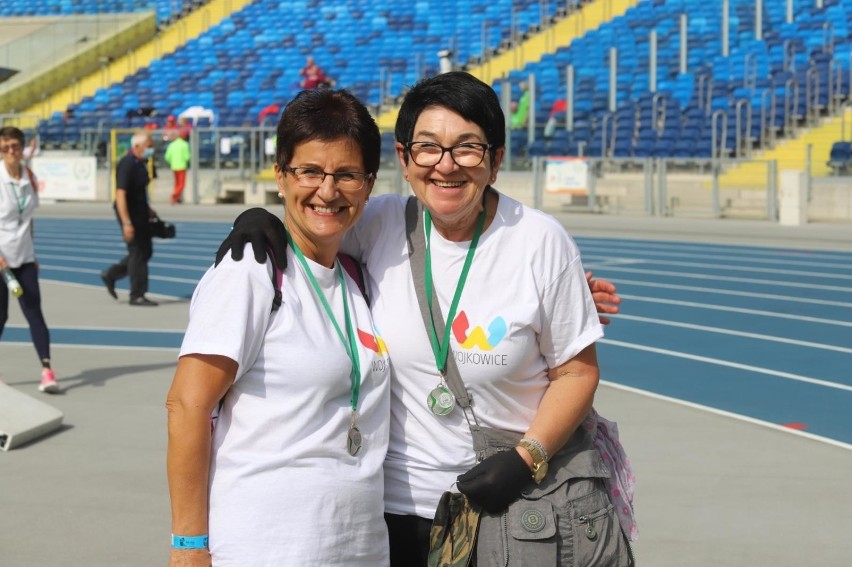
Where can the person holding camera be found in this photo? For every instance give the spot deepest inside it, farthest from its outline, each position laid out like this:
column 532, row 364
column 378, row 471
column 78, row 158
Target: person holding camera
column 133, row 213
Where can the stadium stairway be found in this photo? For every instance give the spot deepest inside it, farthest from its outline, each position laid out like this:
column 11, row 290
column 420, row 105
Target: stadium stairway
column 790, row 154
column 175, row 35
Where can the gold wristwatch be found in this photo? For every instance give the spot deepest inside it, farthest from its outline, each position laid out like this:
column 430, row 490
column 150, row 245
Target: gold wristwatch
column 539, row 456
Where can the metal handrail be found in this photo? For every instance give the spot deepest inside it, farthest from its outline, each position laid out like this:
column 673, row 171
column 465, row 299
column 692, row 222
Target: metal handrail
column 658, row 116
column 715, row 149
column 843, row 109
column 702, row 79
column 750, row 70
column 791, row 93
column 605, row 137
column 789, row 55
column 812, row 95
column 835, row 85
column 767, row 122
column 743, row 143
column 828, row 28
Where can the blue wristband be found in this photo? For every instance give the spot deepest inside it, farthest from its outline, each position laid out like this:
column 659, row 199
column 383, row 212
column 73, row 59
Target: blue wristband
column 189, row 542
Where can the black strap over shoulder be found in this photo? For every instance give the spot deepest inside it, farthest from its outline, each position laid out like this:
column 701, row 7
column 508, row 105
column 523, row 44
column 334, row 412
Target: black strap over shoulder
column 350, row 264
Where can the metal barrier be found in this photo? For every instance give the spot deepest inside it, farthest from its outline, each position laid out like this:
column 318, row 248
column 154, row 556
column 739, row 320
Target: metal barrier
column 234, row 164
column 666, row 187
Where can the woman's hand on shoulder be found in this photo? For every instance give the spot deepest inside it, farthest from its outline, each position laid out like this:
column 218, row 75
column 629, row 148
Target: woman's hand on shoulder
column 606, row 297
column 266, row 233
column 190, row 558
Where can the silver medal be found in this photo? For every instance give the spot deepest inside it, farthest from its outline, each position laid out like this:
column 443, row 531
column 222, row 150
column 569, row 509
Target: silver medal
column 441, row 400
column 353, row 438
column 353, row 441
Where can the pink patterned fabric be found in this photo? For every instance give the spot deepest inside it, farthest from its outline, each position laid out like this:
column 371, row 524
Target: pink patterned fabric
column 621, row 482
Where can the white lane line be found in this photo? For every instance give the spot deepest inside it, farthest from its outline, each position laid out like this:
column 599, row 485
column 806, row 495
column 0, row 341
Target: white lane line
column 744, row 334
column 733, row 268
column 795, row 299
column 652, row 257
column 720, row 362
column 713, row 307
column 652, row 245
column 724, row 413
column 731, row 279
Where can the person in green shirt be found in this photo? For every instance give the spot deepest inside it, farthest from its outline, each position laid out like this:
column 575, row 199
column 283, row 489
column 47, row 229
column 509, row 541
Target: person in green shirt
column 177, row 156
column 521, row 109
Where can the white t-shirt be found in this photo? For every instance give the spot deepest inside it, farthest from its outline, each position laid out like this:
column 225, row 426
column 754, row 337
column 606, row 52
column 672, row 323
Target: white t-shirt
column 283, row 488
column 526, row 307
column 18, row 201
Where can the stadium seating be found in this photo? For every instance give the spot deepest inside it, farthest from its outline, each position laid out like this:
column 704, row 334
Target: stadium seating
column 678, row 122
column 252, row 59
column 840, row 159
column 165, row 9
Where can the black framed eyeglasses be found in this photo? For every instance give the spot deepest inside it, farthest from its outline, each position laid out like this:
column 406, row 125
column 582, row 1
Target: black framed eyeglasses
column 11, row 148
column 313, row 177
column 465, row 154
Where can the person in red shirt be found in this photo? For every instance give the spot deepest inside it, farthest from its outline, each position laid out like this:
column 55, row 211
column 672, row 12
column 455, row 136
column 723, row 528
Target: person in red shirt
column 313, row 76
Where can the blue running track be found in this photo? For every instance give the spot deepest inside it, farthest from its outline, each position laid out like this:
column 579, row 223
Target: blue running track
column 764, row 333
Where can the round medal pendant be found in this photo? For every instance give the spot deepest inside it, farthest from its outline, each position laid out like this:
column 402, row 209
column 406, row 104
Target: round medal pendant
column 441, row 400
column 353, row 441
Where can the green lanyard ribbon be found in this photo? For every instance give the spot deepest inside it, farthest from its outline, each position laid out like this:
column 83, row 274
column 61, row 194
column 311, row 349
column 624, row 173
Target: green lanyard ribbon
column 349, row 344
column 20, row 200
column 442, row 350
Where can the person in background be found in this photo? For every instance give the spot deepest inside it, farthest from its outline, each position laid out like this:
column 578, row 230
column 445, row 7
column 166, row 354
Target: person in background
column 521, row 108
column 314, row 77
column 18, row 201
column 293, row 472
column 171, row 130
column 177, row 157
column 133, row 214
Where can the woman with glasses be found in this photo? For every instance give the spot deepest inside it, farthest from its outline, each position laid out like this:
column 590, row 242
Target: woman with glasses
column 292, row 474
column 498, row 290
column 18, row 201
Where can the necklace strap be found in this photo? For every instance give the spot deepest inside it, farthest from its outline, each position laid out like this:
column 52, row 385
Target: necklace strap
column 349, row 343
column 441, row 349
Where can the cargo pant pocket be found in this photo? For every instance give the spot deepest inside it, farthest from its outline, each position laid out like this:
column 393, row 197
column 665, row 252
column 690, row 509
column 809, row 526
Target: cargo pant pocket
column 595, row 531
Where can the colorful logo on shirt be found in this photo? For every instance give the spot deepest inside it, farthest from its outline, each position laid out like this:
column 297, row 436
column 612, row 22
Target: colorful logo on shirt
column 372, row 342
column 478, row 337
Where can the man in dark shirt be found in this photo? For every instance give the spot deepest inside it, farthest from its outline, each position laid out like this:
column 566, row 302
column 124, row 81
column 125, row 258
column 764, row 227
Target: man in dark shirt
column 132, row 211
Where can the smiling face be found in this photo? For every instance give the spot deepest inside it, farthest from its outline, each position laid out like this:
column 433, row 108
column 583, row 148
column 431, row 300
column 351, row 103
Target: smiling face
column 452, row 193
column 317, row 218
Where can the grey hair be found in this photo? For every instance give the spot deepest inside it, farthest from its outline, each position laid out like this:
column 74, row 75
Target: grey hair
column 140, row 138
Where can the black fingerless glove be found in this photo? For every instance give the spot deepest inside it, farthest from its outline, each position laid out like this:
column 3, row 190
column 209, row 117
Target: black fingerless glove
column 264, row 230
column 497, row 481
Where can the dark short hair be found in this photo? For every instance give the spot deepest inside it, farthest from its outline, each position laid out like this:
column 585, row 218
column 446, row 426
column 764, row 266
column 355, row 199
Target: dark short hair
column 462, row 93
column 328, row 115
column 12, row 132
